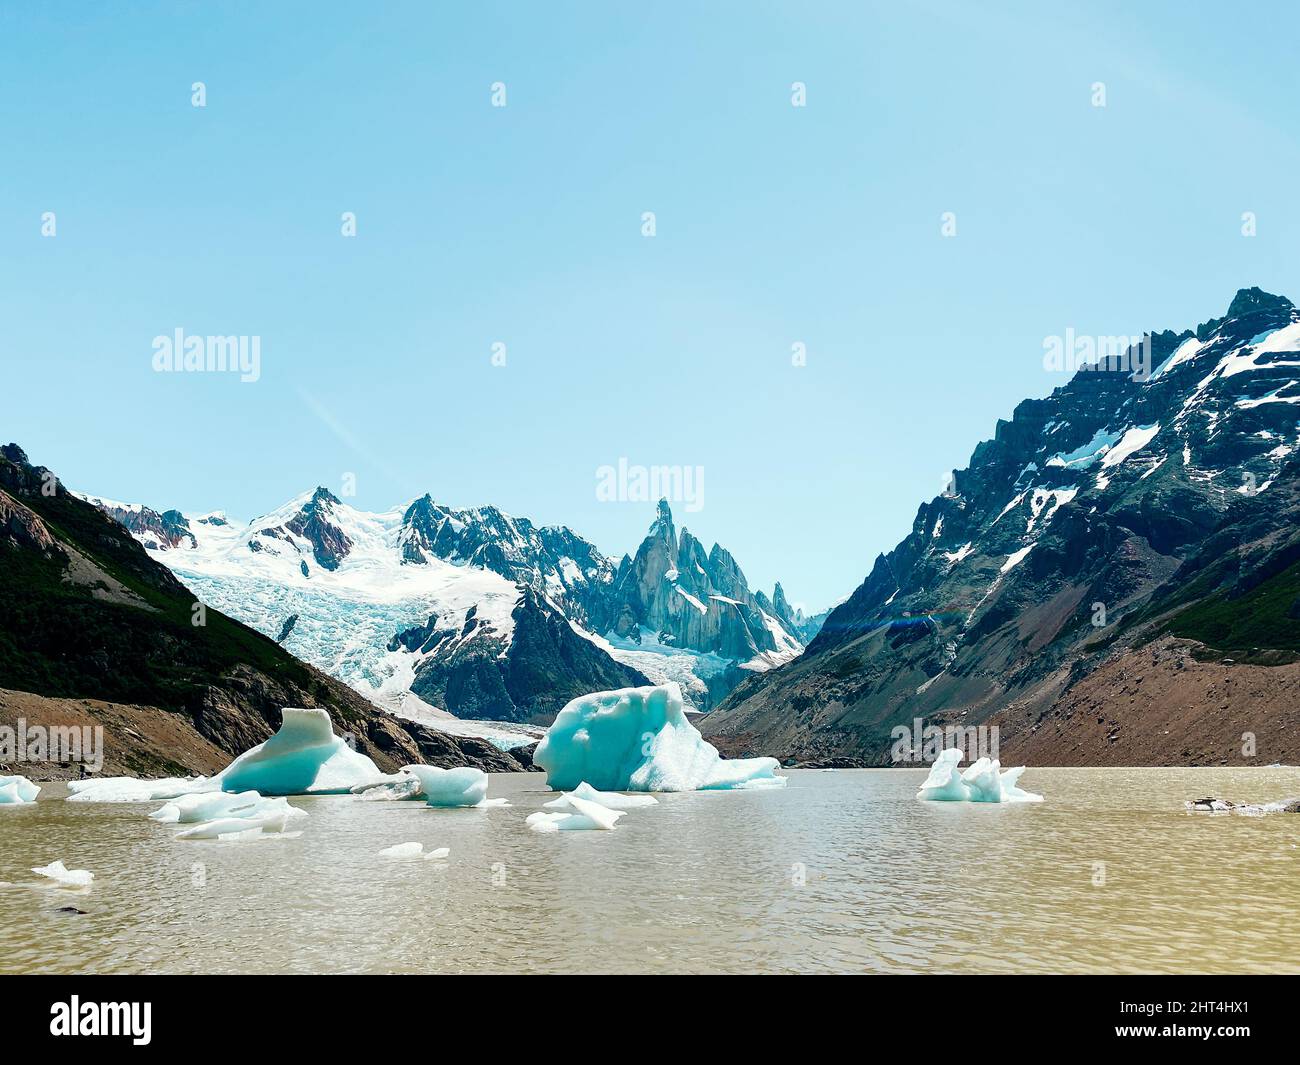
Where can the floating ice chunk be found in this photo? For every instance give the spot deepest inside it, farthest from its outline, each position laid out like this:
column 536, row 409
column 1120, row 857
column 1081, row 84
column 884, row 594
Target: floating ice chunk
column 983, row 781
column 409, row 851
column 398, row 787
column 1011, row 792
column 129, row 789
column 450, row 787
column 205, row 806
column 585, row 816
column 609, row 799
column 944, row 784
column 1248, row 809
column 303, row 758
column 64, row 876
column 266, row 815
column 17, row 791
column 639, row 739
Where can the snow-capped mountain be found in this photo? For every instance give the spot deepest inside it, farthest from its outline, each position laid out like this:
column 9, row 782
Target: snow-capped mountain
column 439, row 613
column 1055, row 550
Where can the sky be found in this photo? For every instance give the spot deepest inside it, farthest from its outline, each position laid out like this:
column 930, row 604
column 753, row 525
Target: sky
column 523, row 225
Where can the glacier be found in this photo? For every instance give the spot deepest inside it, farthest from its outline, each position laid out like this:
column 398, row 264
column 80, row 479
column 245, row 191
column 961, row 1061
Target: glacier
column 17, row 791
column 639, row 739
column 303, row 758
column 984, row 781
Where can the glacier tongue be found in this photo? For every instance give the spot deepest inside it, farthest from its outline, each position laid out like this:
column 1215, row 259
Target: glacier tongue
column 639, row 739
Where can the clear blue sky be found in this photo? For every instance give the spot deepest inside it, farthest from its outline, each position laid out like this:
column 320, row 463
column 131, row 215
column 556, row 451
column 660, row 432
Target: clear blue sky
column 523, row 225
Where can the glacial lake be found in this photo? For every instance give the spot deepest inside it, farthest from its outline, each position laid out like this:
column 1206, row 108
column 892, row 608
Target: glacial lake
column 841, row 871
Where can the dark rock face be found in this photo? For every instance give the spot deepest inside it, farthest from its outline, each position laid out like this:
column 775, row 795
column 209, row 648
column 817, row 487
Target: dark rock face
column 1114, row 509
column 527, row 675
column 87, row 614
column 287, row 628
column 315, row 523
column 551, row 560
column 158, row 532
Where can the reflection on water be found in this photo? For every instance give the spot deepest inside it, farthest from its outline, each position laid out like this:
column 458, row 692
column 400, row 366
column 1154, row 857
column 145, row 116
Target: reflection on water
column 841, row 871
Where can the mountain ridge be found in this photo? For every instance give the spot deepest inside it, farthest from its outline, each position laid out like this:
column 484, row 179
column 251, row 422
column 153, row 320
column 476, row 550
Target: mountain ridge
column 1053, row 550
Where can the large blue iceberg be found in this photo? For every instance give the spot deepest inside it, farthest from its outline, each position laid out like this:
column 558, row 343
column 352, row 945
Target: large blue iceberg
column 639, row 739
column 303, row 758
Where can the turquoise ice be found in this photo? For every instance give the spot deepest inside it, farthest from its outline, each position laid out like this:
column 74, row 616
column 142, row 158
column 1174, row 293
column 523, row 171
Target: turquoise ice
column 639, row 739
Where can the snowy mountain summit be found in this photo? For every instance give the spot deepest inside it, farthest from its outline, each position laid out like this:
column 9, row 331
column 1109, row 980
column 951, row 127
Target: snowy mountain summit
column 440, row 613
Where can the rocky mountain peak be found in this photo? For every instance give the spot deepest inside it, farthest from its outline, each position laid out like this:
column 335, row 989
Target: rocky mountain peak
column 1252, row 300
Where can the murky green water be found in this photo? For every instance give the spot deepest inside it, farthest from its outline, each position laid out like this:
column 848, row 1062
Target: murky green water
column 841, row 871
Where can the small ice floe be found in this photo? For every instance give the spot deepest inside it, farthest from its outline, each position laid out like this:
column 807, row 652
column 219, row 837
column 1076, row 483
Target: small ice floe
column 205, row 806
column 584, row 816
column 984, row 781
column 412, row 851
column 611, row 800
column 129, row 789
column 398, row 787
column 1248, row 809
column 65, row 877
column 639, row 739
column 17, row 791
column 260, row 817
column 463, row 786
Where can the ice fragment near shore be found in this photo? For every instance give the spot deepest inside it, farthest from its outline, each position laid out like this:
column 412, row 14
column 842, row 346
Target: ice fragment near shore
column 983, row 781
column 17, row 791
column 639, row 739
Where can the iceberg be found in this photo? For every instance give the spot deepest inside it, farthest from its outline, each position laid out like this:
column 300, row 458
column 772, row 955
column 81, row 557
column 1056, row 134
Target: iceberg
column 983, row 781
column 585, row 816
column 17, row 791
column 408, row 851
column 639, row 739
column 204, row 806
column 261, row 816
column 303, row 758
column 611, row 800
column 64, row 876
column 450, row 787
